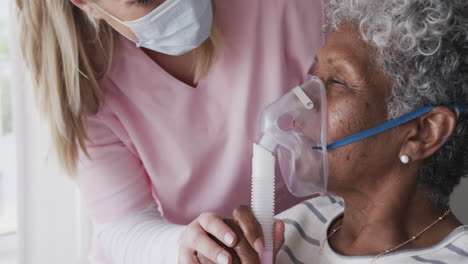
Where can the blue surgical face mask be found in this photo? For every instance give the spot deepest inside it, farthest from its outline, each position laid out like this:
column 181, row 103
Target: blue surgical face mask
column 175, row 27
column 388, row 125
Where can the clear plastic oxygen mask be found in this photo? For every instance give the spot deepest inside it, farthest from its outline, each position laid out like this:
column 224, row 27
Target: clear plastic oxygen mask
column 290, row 126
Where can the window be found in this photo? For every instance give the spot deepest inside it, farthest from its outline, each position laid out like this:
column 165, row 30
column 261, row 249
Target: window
column 8, row 203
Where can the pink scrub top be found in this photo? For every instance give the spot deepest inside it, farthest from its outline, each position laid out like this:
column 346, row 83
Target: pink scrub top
column 189, row 149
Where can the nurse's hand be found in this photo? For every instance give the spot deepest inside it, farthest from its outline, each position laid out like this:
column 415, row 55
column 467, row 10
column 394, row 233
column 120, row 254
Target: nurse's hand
column 249, row 234
column 242, row 252
column 196, row 240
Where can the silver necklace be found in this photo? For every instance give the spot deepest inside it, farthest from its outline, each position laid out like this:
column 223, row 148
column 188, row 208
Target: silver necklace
column 396, row 247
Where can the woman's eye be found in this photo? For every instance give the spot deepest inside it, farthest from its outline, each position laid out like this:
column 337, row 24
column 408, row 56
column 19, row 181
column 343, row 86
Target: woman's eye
column 335, row 81
column 143, row 2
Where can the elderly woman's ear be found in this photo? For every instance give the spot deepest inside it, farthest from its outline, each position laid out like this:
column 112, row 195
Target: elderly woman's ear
column 428, row 133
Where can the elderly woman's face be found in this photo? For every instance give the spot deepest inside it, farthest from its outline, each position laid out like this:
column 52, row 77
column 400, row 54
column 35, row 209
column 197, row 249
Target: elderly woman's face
column 356, row 91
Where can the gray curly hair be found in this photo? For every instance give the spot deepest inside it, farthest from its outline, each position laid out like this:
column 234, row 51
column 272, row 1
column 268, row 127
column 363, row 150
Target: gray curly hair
column 422, row 45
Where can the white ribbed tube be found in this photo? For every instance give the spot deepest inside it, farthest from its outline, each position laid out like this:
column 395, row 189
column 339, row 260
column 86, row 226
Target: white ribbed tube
column 263, row 196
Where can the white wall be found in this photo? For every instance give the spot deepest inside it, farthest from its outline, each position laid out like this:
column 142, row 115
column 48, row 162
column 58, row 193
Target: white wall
column 50, row 218
column 51, row 225
column 47, row 199
column 8, row 250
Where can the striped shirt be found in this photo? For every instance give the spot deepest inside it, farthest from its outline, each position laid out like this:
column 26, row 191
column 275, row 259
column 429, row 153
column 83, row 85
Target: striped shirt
column 306, row 228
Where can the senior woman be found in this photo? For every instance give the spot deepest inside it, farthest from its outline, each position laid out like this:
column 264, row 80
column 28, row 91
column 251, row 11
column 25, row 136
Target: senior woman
column 395, row 75
column 384, row 59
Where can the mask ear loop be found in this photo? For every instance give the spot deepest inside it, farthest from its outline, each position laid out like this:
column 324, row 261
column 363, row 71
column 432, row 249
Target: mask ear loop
column 108, row 14
column 119, row 21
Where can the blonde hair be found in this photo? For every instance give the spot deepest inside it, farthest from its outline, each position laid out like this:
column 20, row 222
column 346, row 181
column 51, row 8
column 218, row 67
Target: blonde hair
column 67, row 53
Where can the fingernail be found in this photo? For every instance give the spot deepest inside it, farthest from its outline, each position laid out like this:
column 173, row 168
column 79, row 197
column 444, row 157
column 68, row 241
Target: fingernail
column 228, row 239
column 222, row 259
column 258, row 245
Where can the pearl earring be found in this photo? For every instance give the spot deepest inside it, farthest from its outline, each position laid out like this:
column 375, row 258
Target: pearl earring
column 404, row 159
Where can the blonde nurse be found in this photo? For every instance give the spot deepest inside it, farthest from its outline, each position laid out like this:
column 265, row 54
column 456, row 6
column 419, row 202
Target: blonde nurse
column 154, row 105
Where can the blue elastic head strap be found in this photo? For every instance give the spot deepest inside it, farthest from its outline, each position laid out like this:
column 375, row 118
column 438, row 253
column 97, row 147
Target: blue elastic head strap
column 388, row 125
